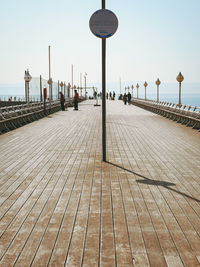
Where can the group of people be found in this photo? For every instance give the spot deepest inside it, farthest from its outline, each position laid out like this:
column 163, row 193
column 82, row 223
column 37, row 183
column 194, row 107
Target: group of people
column 97, row 95
column 126, row 97
column 62, row 100
column 111, row 95
column 11, row 99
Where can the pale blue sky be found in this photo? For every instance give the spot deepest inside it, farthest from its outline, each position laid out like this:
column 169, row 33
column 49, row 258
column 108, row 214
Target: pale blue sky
column 156, row 38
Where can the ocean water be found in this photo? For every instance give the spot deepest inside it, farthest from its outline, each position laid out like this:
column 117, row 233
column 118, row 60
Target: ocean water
column 192, row 99
column 168, row 91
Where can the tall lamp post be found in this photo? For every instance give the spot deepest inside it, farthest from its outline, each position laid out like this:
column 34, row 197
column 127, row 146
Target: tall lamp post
column 50, row 82
column 137, row 86
column 158, row 82
column 85, row 82
column 72, row 77
column 179, row 78
column 27, row 78
column 145, row 91
column 128, row 89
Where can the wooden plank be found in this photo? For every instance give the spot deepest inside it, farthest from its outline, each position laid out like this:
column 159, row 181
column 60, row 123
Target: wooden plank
column 61, row 205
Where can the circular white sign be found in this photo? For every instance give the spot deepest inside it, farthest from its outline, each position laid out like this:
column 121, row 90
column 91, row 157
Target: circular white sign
column 103, row 23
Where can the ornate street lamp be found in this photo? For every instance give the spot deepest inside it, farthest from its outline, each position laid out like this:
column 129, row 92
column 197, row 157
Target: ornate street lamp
column 27, row 78
column 137, row 86
column 61, row 85
column 68, row 89
column 128, row 89
column 145, row 86
column 158, row 82
column 132, row 89
column 179, row 78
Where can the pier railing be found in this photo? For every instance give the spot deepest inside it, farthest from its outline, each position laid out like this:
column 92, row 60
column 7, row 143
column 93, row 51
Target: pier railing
column 12, row 117
column 184, row 114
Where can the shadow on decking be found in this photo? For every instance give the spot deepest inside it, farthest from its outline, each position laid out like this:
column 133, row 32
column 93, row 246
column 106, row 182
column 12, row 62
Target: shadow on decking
column 154, row 182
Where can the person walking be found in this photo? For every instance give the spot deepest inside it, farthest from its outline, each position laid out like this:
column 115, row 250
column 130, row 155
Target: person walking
column 76, row 100
column 62, row 101
column 129, row 98
column 125, row 99
column 95, row 94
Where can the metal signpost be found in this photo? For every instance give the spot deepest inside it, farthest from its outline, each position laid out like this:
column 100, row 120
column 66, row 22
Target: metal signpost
column 103, row 24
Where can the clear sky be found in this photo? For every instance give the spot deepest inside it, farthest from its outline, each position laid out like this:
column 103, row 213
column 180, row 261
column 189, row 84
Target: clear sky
column 156, row 38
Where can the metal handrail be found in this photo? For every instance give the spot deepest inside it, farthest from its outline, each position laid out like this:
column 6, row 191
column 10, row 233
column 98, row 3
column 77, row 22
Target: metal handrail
column 192, row 109
column 17, row 110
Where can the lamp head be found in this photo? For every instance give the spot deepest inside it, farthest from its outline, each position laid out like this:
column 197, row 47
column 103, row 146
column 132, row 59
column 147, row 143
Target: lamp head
column 158, row 82
column 50, row 81
column 27, row 76
column 180, row 77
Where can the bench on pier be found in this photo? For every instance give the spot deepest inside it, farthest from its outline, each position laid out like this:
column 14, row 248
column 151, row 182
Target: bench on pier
column 190, row 118
column 13, row 117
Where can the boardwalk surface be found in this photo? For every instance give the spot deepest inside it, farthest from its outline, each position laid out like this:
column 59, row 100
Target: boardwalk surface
column 61, row 206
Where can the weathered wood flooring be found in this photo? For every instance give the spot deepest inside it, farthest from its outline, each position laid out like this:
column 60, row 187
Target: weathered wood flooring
column 60, row 205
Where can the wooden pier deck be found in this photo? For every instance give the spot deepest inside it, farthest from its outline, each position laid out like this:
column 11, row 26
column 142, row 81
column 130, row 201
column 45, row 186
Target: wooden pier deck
column 60, row 205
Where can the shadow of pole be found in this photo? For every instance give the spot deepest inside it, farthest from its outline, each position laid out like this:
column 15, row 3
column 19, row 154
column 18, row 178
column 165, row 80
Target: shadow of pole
column 154, row 182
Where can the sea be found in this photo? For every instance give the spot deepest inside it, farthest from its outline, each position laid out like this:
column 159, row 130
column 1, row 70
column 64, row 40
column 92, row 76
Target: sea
column 190, row 92
column 187, row 99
